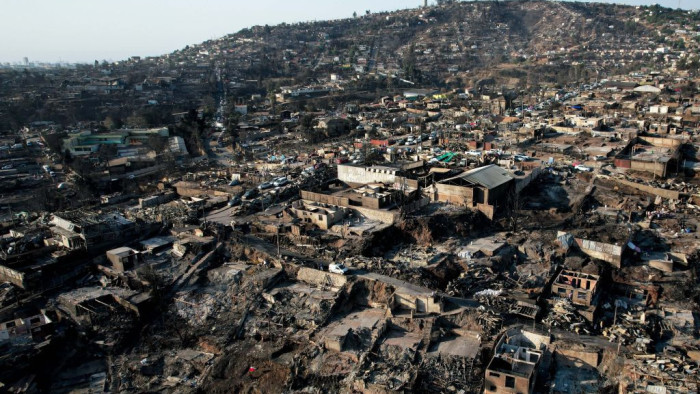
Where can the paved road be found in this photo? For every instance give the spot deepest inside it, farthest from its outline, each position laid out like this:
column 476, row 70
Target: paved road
column 222, row 215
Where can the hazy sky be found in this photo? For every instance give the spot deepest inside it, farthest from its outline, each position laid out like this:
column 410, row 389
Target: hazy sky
column 88, row 30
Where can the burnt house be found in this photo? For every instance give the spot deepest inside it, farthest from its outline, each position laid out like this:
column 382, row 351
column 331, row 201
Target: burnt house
column 484, row 188
column 516, row 359
column 579, row 287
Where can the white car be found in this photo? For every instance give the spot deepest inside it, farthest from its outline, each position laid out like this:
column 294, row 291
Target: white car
column 474, row 153
column 338, row 268
column 581, row 167
column 280, row 181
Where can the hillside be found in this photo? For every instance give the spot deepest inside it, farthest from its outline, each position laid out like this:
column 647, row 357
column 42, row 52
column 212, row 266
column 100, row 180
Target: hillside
column 453, row 43
column 514, row 45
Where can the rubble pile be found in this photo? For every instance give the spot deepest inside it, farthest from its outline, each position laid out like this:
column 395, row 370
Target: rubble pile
column 477, row 278
column 564, row 315
column 670, row 369
column 392, row 367
column 401, row 270
column 449, row 374
column 195, row 307
column 395, row 214
column 291, row 314
column 628, row 335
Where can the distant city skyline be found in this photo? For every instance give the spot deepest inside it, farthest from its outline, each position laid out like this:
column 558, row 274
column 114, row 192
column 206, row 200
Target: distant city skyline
column 88, row 30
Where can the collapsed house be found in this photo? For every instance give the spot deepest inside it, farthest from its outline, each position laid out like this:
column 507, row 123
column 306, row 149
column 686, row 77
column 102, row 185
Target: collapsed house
column 599, row 243
column 88, row 305
column 378, row 202
column 92, row 232
column 33, row 328
column 123, row 258
column 514, row 366
column 580, row 288
column 656, row 155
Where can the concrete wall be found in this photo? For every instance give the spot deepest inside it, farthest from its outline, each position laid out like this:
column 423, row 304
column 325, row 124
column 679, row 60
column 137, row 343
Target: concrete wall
column 539, row 340
column 623, row 163
column 581, row 290
column 655, row 191
column 408, row 184
column 662, row 265
column 156, row 200
column 493, row 196
column 495, row 382
column 662, row 142
column 658, row 168
column 122, row 264
column 190, row 189
column 323, row 219
column 12, row 276
column 326, row 199
column 564, row 291
column 371, row 202
column 369, row 213
column 488, row 210
column 320, row 278
column 416, row 205
column 388, row 217
column 602, row 251
column 572, row 357
column 455, row 194
column 418, row 303
column 521, row 183
column 354, row 174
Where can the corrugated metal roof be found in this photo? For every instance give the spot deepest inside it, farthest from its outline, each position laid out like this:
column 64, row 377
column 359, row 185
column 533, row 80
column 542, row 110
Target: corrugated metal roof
column 490, row 176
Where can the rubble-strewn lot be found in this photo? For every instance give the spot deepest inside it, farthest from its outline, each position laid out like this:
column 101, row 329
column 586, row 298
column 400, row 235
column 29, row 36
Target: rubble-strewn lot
column 469, row 197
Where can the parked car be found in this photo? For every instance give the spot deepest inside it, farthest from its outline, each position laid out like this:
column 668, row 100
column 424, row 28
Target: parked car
column 265, row 185
column 250, row 194
column 281, row 182
column 581, row 167
column 234, row 201
column 338, row 268
column 234, row 182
